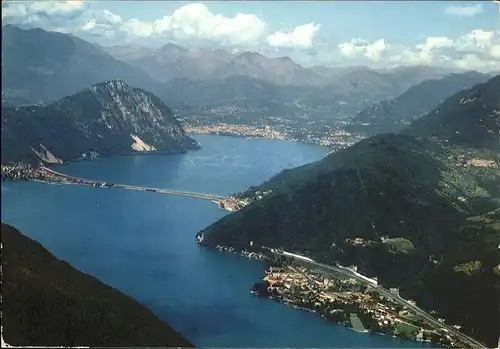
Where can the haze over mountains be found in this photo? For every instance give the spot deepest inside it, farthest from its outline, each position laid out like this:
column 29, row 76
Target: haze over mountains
column 243, row 71
column 240, row 88
column 469, row 118
column 42, row 67
column 394, row 115
column 172, row 61
column 436, row 187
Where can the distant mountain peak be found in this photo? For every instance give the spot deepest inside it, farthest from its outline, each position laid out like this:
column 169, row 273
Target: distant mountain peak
column 287, row 60
column 171, row 47
column 249, row 55
column 9, row 27
column 394, row 115
column 39, row 65
column 21, row 28
column 116, row 85
column 284, row 59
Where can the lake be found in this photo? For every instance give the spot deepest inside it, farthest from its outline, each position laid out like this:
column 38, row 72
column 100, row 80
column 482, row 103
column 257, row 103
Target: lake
column 143, row 243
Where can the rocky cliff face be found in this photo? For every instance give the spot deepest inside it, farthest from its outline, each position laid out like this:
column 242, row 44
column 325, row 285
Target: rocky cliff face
column 109, row 118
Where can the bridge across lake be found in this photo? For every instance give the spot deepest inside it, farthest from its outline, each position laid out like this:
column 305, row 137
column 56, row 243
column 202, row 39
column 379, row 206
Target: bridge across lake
column 195, row 195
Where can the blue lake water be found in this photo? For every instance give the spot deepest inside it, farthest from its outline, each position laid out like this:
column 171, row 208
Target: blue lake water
column 143, row 243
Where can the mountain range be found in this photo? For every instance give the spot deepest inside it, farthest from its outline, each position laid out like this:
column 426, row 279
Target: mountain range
column 47, row 302
column 172, row 61
column 41, row 67
column 108, row 118
column 394, row 115
column 435, row 186
column 230, row 74
column 469, row 118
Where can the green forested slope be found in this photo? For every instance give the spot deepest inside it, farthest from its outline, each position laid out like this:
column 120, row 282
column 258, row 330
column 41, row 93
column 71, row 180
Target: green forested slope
column 426, row 206
column 46, row 302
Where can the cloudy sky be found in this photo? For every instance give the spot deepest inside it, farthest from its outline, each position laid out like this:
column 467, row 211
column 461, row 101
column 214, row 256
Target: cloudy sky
column 375, row 33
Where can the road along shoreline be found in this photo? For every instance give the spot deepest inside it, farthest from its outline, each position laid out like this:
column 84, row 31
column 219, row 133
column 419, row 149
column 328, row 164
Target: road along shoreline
column 343, row 296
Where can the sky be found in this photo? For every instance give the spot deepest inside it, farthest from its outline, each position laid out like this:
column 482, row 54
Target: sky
column 460, row 35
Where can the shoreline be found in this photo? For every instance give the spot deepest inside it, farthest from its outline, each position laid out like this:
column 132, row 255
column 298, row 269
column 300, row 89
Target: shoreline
column 331, row 147
column 237, row 135
column 137, row 153
column 80, row 159
column 290, row 302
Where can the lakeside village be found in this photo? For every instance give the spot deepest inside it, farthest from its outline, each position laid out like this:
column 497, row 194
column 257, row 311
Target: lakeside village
column 339, row 299
column 320, row 133
column 27, row 172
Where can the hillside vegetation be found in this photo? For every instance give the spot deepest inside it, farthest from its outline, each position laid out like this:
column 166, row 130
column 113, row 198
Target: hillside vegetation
column 469, row 118
column 396, row 114
column 46, row 302
column 425, row 204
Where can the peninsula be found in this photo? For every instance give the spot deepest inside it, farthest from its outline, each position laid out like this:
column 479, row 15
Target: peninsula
column 43, row 174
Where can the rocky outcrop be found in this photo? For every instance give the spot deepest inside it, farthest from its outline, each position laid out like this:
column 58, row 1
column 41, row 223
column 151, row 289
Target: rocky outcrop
column 46, row 156
column 108, row 118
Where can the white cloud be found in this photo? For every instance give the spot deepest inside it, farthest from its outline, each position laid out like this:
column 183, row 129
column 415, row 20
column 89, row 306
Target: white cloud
column 194, row 20
column 353, row 48
column 464, row 10
column 45, row 14
column 300, row 37
column 477, row 40
column 57, row 16
column 20, row 9
column 194, row 24
column 476, row 50
column 469, row 62
column 376, row 50
column 135, row 28
column 495, row 51
column 361, row 48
